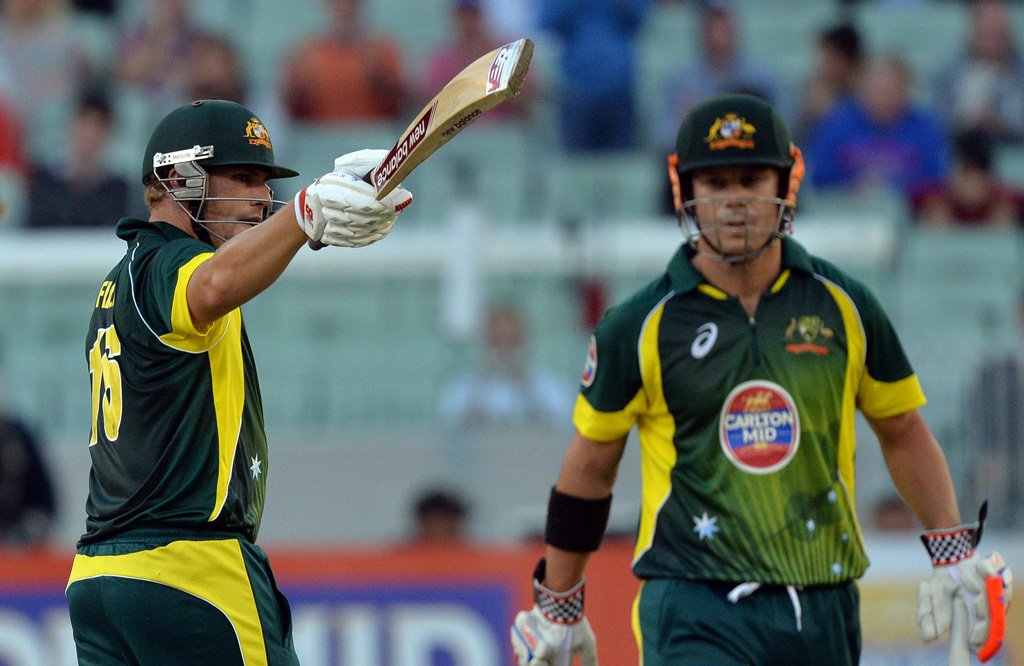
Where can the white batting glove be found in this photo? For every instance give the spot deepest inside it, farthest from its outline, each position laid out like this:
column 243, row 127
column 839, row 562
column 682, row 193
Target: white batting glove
column 555, row 629
column 967, row 595
column 340, row 208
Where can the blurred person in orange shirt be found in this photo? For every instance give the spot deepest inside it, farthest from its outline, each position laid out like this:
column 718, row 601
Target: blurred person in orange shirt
column 346, row 74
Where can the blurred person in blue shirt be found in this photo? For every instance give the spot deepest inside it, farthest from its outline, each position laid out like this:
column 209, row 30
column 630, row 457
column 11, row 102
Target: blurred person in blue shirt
column 879, row 139
column 721, row 67
column 597, row 91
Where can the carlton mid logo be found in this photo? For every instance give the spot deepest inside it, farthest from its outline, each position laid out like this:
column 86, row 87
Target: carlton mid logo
column 760, row 427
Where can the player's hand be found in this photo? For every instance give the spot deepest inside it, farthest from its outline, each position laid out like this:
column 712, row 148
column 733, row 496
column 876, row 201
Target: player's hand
column 340, row 208
column 537, row 641
column 555, row 629
column 967, row 595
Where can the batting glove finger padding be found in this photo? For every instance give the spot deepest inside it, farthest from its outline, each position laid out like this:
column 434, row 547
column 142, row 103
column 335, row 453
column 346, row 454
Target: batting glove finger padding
column 360, row 162
column 340, row 209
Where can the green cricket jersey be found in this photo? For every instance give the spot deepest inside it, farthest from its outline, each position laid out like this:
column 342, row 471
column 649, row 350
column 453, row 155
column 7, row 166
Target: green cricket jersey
column 177, row 433
column 746, row 425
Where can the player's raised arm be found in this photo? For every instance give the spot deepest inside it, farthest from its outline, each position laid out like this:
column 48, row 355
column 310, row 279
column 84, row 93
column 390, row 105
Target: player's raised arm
column 207, row 169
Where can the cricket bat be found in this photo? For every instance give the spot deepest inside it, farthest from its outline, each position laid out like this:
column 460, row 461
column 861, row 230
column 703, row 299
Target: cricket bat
column 482, row 85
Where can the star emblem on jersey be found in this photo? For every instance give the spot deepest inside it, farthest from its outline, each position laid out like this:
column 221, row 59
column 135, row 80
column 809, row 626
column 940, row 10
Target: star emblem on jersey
column 257, row 466
column 705, row 526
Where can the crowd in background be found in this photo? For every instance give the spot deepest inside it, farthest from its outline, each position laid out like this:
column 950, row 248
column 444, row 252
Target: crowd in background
column 71, row 105
column 866, row 120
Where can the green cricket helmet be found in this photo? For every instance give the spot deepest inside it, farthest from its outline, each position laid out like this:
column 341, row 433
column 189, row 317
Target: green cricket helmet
column 215, row 132
column 202, row 134
column 734, row 130
column 731, row 130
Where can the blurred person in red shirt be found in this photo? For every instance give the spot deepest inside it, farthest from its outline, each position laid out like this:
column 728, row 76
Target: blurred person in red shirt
column 471, row 38
column 974, row 195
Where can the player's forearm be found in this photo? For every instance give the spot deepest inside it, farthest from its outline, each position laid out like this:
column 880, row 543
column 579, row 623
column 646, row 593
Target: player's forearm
column 588, row 473
column 564, row 568
column 918, row 469
column 245, row 266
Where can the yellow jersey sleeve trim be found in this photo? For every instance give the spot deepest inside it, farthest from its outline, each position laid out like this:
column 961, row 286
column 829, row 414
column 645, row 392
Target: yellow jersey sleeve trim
column 184, row 335
column 213, row 571
column 606, row 426
column 879, row 400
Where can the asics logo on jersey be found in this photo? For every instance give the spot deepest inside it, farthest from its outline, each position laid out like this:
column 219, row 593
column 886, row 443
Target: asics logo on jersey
column 707, row 335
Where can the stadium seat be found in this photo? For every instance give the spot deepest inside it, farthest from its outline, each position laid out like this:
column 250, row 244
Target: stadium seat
column 1009, row 164
column 927, row 34
column 601, row 187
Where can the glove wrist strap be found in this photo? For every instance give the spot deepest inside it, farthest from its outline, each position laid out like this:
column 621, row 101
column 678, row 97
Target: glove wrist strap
column 558, row 607
column 955, row 544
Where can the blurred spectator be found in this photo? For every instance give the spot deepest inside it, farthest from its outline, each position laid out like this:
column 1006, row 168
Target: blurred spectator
column 983, row 89
column 104, row 7
column 891, row 514
column 80, row 190
column 995, row 429
column 27, row 504
column 470, row 39
column 511, row 19
column 46, row 60
column 597, row 89
column 441, row 518
column 721, row 67
column 155, row 54
column 838, row 57
column 507, row 388
column 215, row 71
column 347, row 74
column 12, row 156
column 974, row 195
column 879, row 139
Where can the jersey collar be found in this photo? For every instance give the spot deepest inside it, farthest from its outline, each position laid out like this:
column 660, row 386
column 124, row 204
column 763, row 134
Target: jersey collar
column 684, row 277
column 128, row 228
